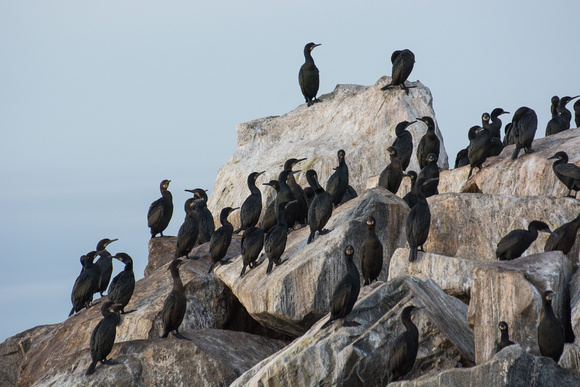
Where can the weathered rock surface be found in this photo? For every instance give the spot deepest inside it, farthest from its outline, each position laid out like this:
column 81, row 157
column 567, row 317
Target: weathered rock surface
column 361, row 120
column 511, row 291
column 356, row 356
column 210, row 358
column 512, row 367
column 296, row 294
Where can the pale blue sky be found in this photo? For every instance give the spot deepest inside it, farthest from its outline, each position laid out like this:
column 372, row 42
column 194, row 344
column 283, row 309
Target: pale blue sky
column 101, row 100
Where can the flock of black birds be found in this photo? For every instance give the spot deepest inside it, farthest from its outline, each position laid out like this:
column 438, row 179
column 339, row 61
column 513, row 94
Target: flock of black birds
column 312, row 206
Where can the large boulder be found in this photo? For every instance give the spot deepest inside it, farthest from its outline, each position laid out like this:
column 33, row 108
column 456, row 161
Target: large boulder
column 361, row 120
column 296, row 294
column 511, row 291
column 356, row 356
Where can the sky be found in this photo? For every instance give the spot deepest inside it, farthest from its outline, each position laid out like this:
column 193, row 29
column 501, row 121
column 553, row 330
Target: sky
column 101, row 100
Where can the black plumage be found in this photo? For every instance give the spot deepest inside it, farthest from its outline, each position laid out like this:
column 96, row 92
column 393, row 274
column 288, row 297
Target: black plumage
column 371, row 254
column 160, row 211
column 175, row 304
column 553, row 125
column 189, row 230
column 410, row 197
column 403, row 62
column 418, row 220
column 429, row 143
column 563, row 237
column 516, row 242
column 404, row 143
column 550, row 330
column 478, row 149
column 103, row 336
column 252, row 243
column 524, row 126
column 206, row 223
column 505, row 337
column 493, row 124
column 269, row 219
column 123, row 285
column 221, row 238
column 105, row 262
column 337, row 183
column 462, row 158
column 431, row 173
column 391, row 177
column 320, row 209
column 252, row 206
column 567, row 173
column 346, row 292
column 285, row 195
column 403, row 352
column 299, row 195
column 509, row 136
column 577, row 113
column 86, row 284
column 563, row 118
column 308, row 76
column 275, row 241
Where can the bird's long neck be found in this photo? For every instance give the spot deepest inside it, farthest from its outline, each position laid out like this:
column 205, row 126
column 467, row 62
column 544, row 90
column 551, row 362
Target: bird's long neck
column 177, row 284
column 308, row 57
column 129, row 266
column 224, row 221
column 396, row 162
column 411, row 327
column 564, row 112
column 505, row 336
column 282, row 217
column 253, row 189
column 166, row 195
column 547, row 310
column 533, row 233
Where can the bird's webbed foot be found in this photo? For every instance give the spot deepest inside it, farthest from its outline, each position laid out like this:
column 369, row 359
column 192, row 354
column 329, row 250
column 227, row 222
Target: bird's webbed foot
column 324, row 231
column 528, row 150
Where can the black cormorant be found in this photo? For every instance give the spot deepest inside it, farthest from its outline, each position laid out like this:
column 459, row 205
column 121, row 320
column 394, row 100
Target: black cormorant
column 418, row 220
column 221, row 238
column 563, row 237
column 462, row 158
column 269, row 218
column 403, row 62
column 160, row 211
column 346, row 292
column 310, row 194
column 517, row 241
column 431, row 172
column 403, row 352
column 320, row 209
column 105, row 262
column 299, row 195
column 404, row 143
column 371, row 254
column 206, row 223
column 410, row 197
column 478, row 148
column 337, row 183
column 103, row 336
column 252, row 206
column 493, row 124
column 275, row 241
column 550, row 330
column 123, row 285
column 175, row 304
column 308, row 76
column 285, row 195
column 567, row 173
column 509, row 137
column 505, row 337
column 577, row 113
column 553, row 125
column 252, row 243
column 392, row 175
column 524, row 125
column 189, row 230
column 86, row 284
column 564, row 116
column 429, row 143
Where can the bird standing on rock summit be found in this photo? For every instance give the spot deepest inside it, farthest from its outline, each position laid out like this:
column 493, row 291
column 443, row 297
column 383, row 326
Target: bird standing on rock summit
column 221, row 238
column 189, row 230
column 86, row 284
column 392, row 175
column 550, row 330
column 371, row 254
column 320, row 209
column 404, row 143
column 418, row 220
column 105, row 262
column 175, row 304
column 567, row 173
column 516, row 242
column 431, row 171
column 160, row 211
column 206, row 223
column 493, row 124
column 403, row 62
column 252, row 206
column 429, row 143
column 308, row 76
column 524, row 126
column 337, row 183
column 103, row 336
column 478, row 148
column 552, row 125
column 563, row 118
column 123, row 285
column 403, row 352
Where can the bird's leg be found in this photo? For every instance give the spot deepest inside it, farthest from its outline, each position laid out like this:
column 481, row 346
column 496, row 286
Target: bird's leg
column 528, row 150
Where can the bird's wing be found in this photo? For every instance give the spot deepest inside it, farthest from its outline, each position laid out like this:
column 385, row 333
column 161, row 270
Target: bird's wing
column 397, row 354
column 332, row 183
column 155, row 213
column 507, row 242
column 569, row 170
column 340, row 298
column 168, row 307
column 394, row 55
column 218, row 238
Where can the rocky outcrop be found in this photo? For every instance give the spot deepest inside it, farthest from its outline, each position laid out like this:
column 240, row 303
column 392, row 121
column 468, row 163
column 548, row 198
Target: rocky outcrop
column 353, row 356
column 296, row 294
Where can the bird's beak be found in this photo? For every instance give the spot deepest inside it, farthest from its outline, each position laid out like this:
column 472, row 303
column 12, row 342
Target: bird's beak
column 505, row 113
column 316, row 45
column 299, row 160
column 553, row 157
column 237, row 208
column 261, row 173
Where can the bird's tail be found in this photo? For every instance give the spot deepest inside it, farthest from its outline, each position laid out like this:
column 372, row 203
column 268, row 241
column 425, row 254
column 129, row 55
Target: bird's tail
column 412, row 254
column 72, row 311
column 91, row 368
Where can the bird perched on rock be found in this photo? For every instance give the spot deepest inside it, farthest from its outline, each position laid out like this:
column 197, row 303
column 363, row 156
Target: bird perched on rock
column 275, row 241
column 563, row 237
column 404, row 143
column 567, row 173
column 160, row 211
column 410, row 198
column 418, row 220
column 392, row 175
column 269, row 219
column 105, row 262
column 524, row 125
column 103, row 336
column 509, row 137
column 516, row 242
column 505, row 337
column 221, row 238
column 175, row 304
column 252, row 243
column 403, row 62
column 337, row 183
column 403, row 353
column 189, row 230
column 429, row 143
column 86, row 284
column 550, row 330
column 285, row 195
column 206, row 223
column 563, row 118
column 462, row 158
column 299, row 195
column 493, row 124
column 308, row 76
column 346, row 292
column 552, row 125
column 478, row 148
column 252, row 206
column 123, row 285
column 430, row 171
column 320, row 209
column 371, row 254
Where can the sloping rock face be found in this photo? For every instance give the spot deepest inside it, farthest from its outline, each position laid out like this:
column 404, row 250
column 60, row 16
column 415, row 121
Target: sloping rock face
column 361, row 120
column 356, row 356
column 512, row 367
column 511, row 291
column 296, row 294
column 210, row 358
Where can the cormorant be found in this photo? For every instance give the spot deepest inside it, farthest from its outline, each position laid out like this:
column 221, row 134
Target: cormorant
column 392, row 175
column 123, row 285
column 403, row 62
column 337, row 183
column 103, row 336
column 269, row 218
column 252, row 206
column 524, row 125
column 206, row 223
column 550, row 330
column 564, row 116
column 275, row 241
column 478, row 149
column 462, row 158
column 221, row 238
column 567, row 173
column 429, row 143
column 308, row 76
column 346, row 292
column 552, row 125
column 252, row 244
column 410, row 198
column 160, row 211
column 285, row 195
column 189, row 230
column 509, row 137
column 105, row 262
column 86, row 284
column 431, row 171
column 320, row 209
column 493, row 124
column 175, row 304
column 403, row 353
column 505, row 337
column 563, row 237
column 302, row 203
column 371, row 255
column 577, row 113
column 404, row 143
column 517, row 241
column 418, row 220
